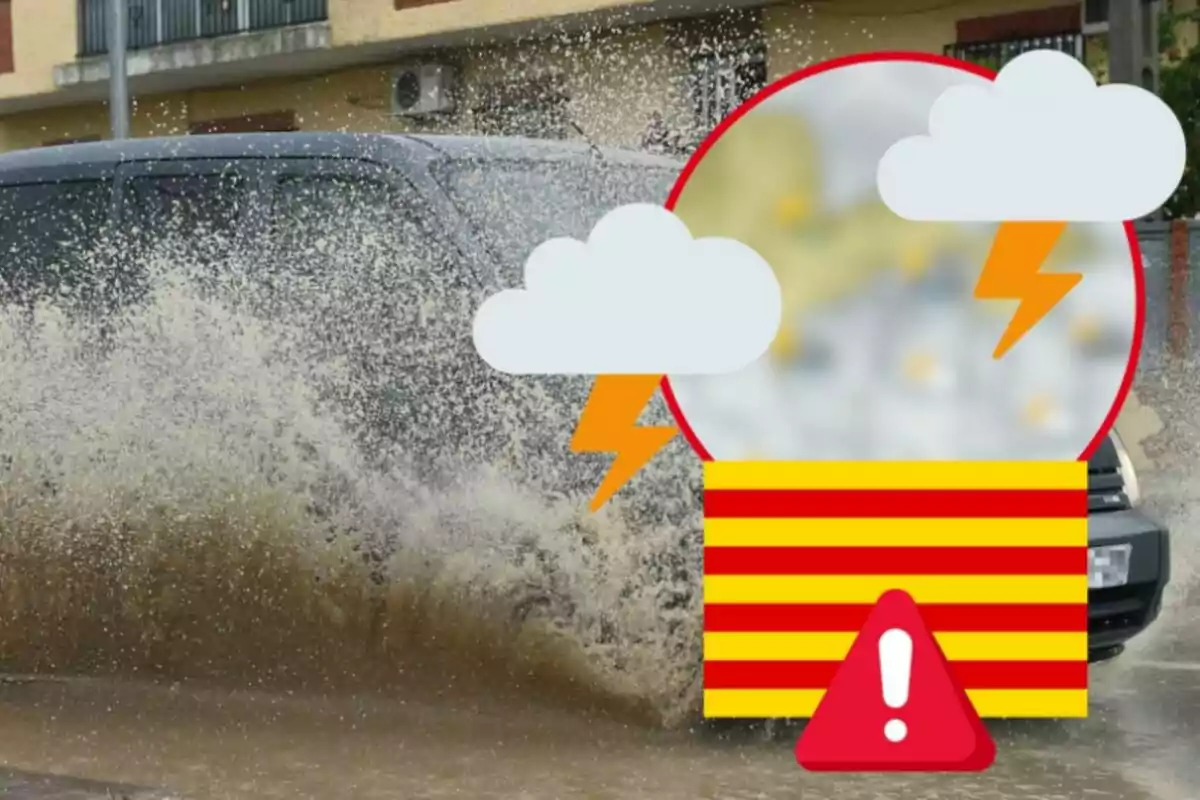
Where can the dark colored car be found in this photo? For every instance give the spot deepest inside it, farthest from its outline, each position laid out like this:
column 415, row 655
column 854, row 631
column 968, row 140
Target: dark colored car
column 463, row 213
column 1130, row 554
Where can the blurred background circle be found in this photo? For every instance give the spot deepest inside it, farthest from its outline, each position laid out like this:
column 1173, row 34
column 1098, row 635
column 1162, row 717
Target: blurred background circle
column 883, row 353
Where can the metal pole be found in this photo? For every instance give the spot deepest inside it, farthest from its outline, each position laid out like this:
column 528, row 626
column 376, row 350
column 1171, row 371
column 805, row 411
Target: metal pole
column 1149, row 14
column 1133, row 42
column 1133, row 55
column 1123, row 41
column 118, row 77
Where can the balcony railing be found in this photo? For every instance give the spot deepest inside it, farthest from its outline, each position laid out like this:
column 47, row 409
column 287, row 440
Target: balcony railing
column 995, row 55
column 158, row 22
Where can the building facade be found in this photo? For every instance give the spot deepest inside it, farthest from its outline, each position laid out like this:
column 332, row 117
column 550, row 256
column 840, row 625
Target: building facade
column 621, row 72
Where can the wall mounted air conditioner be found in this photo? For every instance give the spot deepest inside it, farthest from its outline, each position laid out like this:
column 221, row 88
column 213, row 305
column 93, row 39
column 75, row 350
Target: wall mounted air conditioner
column 423, row 89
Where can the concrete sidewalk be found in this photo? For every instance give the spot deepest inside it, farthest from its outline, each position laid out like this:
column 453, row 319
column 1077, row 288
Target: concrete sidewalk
column 33, row 786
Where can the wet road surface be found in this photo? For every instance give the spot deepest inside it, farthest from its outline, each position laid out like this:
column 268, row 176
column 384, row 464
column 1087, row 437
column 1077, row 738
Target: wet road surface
column 1140, row 743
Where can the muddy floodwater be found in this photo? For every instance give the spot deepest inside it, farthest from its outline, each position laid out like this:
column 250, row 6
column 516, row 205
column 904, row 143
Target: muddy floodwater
column 237, row 744
column 442, row 738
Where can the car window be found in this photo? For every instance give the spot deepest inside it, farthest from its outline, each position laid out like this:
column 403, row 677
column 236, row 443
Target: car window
column 516, row 205
column 193, row 216
column 358, row 262
column 55, row 239
column 319, row 221
column 351, row 228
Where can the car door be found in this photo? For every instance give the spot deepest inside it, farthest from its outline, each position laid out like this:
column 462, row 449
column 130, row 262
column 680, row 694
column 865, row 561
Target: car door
column 353, row 256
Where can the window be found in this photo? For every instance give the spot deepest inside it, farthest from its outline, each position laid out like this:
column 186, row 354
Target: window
column 995, row 55
column 221, row 17
column 994, row 40
column 356, row 254
column 193, row 217
column 720, row 82
column 496, row 196
column 190, row 206
column 319, row 220
column 143, row 21
column 355, row 262
column 1095, row 16
column 538, row 109
column 54, row 241
column 728, row 63
column 515, row 205
column 352, row 228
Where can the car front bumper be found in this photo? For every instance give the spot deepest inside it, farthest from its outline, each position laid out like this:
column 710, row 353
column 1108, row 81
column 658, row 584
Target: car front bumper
column 1118, row 614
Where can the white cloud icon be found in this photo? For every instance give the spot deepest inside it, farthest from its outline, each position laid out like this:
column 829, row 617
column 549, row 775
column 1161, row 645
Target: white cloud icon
column 640, row 297
column 1042, row 142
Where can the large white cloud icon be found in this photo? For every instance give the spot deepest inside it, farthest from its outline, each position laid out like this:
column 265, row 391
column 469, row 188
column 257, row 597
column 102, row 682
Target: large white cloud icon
column 1042, row 142
column 640, row 297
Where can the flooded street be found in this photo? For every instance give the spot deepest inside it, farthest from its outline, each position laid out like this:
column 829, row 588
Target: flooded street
column 211, row 744
column 183, row 740
column 207, row 743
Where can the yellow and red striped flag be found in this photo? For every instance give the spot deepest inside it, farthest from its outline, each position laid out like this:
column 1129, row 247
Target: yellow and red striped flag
column 994, row 553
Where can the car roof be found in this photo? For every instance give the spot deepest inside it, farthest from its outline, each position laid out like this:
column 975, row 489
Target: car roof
column 512, row 147
column 314, row 145
column 232, row 145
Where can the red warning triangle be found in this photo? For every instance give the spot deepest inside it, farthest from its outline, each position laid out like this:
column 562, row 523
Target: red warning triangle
column 939, row 730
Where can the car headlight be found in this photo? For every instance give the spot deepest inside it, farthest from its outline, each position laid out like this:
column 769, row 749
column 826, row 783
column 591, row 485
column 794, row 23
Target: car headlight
column 1128, row 474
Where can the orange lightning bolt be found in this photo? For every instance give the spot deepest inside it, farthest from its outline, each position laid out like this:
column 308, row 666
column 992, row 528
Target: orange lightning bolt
column 608, row 424
column 1013, row 272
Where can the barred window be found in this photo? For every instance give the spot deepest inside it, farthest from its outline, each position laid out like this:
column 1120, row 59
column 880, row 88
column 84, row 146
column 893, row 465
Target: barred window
column 994, row 55
column 722, row 81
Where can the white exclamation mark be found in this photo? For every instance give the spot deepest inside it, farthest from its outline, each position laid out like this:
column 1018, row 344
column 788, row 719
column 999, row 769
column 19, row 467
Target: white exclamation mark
column 895, row 670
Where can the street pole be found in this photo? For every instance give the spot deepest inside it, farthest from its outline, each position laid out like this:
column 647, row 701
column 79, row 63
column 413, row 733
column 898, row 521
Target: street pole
column 1133, row 42
column 118, row 76
column 1133, row 55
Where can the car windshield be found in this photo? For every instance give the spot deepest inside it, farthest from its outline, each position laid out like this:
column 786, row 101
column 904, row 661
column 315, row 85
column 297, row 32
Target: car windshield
column 516, row 205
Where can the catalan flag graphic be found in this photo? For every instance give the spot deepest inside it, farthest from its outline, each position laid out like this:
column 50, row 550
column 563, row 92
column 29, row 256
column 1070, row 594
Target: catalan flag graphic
column 797, row 553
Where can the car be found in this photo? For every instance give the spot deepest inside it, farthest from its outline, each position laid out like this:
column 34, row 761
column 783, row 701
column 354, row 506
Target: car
column 464, row 212
column 1129, row 553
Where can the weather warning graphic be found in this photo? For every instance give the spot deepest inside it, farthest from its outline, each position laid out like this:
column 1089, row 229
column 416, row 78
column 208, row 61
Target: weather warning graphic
column 894, row 309
column 639, row 299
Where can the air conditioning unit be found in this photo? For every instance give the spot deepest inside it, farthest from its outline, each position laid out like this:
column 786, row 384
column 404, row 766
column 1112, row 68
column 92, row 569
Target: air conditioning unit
column 422, row 90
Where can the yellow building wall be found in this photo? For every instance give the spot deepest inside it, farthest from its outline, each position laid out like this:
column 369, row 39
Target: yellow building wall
column 33, row 128
column 798, row 33
column 44, row 35
column 615, row 80
column 350, row 100
column 614, row 83
column 45, row 31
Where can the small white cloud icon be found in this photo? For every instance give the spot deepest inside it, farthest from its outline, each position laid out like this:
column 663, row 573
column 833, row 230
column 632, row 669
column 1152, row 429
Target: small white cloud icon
column 1042, row 142
column 640, row 297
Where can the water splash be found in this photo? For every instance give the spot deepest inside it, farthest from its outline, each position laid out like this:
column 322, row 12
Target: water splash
column 266, row 468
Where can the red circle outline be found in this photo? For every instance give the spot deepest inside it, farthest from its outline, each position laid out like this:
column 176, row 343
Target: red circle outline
column 1139, row 278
